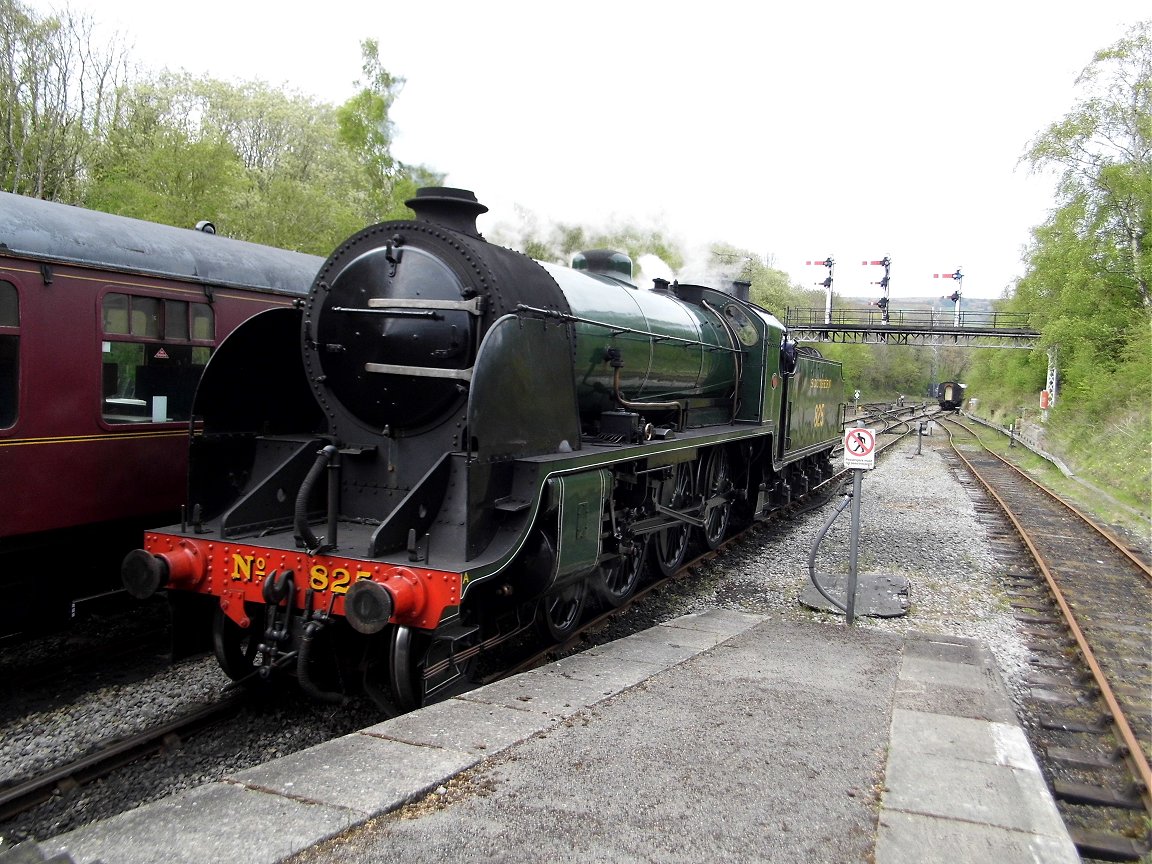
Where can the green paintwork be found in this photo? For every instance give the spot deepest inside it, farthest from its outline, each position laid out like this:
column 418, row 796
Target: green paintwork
column 815, row 395
column 696, row 361
column 577, row 500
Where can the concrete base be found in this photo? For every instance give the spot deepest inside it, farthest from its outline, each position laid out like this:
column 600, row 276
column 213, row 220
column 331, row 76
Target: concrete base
column 878, row 595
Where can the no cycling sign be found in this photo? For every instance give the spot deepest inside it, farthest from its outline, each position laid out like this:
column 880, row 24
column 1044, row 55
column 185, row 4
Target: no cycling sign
column 859, row 448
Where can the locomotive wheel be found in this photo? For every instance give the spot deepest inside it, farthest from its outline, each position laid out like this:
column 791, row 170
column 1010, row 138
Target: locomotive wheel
column 410, row 653
column 558, row 614
column 234, row 646
column 672, row 542
column 717, row 481
column 616, row 580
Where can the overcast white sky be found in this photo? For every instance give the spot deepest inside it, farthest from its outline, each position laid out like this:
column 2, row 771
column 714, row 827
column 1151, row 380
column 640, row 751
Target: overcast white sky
column 797, row 131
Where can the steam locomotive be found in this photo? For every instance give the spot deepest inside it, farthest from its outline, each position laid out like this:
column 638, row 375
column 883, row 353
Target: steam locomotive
column 451, row 443
column 105, row 325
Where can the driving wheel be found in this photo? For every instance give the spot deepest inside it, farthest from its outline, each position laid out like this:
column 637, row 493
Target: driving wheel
column 559, row 612
column 717, row 483
column 672, row 542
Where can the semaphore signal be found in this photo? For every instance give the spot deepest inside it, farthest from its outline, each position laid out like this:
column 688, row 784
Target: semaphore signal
column 955, row 295
column 882, row 303
column 827, row 284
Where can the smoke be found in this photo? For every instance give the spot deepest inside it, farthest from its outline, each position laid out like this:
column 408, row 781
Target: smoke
column 703, row 266
column 649, row 267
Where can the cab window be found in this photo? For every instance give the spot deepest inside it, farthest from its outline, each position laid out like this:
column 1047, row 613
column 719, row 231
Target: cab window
column 745, row 330
column 151, row 357
column 9, row 353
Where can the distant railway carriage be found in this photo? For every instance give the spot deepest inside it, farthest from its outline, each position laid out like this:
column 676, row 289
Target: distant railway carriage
column 105, row 326
column 451, row 442
column 950, row 395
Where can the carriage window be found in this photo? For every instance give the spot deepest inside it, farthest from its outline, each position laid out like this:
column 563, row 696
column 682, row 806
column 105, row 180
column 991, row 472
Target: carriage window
column 175, row 319
column 9, row 305
column 151, row 383
column 150, row 368
column 116, row 313
column 9, row 353
column 203, row 322
column 146, row 316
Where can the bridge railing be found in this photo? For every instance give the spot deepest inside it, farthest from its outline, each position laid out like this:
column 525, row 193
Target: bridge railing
column 920, row 319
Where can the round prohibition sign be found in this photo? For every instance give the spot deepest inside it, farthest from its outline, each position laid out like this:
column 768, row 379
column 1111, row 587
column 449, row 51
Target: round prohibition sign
column 859, row 442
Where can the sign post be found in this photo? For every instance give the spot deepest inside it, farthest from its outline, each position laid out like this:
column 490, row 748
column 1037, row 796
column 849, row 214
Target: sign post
column 883, row 596
column 860, row 455
column 859, row 447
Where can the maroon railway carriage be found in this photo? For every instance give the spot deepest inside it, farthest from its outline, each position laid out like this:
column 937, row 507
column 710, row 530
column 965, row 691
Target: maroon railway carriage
column 105, row 326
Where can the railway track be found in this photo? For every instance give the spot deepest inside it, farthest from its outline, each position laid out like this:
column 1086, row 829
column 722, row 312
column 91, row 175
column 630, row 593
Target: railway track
column 1085, row 602
column 22, row 795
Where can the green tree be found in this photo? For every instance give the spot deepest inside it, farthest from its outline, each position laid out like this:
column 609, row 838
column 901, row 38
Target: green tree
column 770, row 287
column 365, row 129
column 262, row 164
column 1103, row 150
column 58, row 98
column 1086, row 285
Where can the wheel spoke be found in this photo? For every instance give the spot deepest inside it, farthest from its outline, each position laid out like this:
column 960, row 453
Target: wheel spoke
column 672, row 542
column 619, row 577
column 559, row 613
column 717, row 482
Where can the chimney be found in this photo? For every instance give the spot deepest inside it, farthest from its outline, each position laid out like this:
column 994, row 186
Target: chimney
column 453, row 208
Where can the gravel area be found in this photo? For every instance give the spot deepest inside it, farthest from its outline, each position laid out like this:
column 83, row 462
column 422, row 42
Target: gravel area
column 917, row 521
column 57, row 733
column 283, row 723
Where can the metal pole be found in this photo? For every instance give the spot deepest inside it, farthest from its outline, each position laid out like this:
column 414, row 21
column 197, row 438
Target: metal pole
column 854, row 545
column 1052, row 380
column 830, row 264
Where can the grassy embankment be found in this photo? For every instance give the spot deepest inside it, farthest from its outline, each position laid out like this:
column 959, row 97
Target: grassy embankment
column 1110, row 457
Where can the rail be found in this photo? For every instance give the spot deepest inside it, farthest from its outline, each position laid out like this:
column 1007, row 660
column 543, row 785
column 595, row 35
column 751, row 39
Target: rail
column 1134, row 750
column 23, row 794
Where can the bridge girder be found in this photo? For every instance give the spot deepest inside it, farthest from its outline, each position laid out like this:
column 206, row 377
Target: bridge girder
column 925, row 338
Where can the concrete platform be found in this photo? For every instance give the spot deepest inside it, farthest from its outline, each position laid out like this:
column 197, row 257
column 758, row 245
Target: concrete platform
column 717, row 736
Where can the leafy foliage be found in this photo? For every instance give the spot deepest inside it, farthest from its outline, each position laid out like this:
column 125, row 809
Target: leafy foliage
column 1086, row 287
column 770, row 287
column 58, row 95
column 259, row 163
column 1103, row 149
